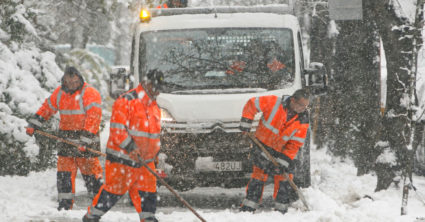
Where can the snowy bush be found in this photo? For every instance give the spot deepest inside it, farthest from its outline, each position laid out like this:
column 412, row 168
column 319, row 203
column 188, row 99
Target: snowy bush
column 27, row 76
column 29, row 73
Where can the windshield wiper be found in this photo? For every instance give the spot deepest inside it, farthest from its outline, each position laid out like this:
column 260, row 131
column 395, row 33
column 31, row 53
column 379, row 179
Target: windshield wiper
column 215, row 86
column 174, row 85
column 220, row 91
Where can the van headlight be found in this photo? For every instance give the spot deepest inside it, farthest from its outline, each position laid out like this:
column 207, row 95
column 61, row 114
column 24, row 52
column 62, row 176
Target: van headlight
column 166, row 116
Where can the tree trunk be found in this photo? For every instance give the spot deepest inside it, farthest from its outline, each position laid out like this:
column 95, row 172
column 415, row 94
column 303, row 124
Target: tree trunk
column 356, row 93
column 368, row 105
column 77, row 39
column 394, row 31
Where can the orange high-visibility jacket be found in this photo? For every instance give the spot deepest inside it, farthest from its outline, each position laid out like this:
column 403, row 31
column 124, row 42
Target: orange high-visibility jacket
column 274, row 130
column 78, row 111
column 135, row 124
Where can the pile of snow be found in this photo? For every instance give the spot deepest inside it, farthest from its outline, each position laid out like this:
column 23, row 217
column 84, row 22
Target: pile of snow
column 336, row 194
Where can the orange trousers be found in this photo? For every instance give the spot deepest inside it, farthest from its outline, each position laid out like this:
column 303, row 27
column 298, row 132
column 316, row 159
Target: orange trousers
column 121, row 178
column 258, row 173
column 67, row 170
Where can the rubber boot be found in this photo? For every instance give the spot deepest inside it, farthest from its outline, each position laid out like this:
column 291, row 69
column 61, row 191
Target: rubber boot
column 86, row 219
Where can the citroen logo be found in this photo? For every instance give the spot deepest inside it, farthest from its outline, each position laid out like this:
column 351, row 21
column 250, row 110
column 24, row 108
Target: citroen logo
column 217, row 126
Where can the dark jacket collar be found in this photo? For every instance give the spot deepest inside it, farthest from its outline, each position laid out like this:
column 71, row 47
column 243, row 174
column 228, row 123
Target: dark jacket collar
column 302, row 116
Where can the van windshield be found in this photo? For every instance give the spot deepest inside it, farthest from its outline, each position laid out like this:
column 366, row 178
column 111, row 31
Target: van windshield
column 224, row 58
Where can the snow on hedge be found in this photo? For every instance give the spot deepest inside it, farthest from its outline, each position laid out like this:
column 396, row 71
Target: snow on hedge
column 27, row 76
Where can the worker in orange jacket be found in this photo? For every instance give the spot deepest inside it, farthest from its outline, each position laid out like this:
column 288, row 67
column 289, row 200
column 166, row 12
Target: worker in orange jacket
column 80, row 114
column 134, row 134
column 282, row 130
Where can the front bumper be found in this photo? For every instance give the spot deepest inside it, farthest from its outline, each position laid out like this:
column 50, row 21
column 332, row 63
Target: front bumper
column 216, row 157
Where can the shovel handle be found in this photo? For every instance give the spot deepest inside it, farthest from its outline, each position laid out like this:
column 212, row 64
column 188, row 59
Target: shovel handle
column 68, row 142
column 185, row 203
column 141, row 161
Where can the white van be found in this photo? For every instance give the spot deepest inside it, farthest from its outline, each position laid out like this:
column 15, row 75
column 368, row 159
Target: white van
column 214, row 60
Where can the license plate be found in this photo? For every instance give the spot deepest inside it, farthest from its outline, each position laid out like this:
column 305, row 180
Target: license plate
column 228, row 166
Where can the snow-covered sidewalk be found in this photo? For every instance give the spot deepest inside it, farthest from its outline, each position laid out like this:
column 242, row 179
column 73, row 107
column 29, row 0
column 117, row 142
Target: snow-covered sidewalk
column 336, row 194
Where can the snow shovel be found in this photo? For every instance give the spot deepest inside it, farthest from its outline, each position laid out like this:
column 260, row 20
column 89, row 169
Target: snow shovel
column 141, row 161
column 291, row 182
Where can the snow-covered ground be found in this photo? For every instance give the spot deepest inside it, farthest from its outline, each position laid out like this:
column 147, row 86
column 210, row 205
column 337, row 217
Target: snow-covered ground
column 336, row 194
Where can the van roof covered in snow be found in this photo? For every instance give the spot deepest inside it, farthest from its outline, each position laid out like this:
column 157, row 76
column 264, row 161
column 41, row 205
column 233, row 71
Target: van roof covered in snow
column 276, row 9
column 270, row 16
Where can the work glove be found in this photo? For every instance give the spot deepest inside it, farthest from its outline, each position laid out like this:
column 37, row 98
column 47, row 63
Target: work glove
column 34, row 123
column 245, row 125
column 87, row 139
column 82, row 149
column 136, row 155
column 30, row 130
column 280, row 170
column 139, row 155
column 161, row 173
column 286, row 165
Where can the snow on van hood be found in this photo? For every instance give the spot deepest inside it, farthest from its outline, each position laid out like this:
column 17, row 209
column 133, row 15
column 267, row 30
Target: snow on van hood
column 210, row 107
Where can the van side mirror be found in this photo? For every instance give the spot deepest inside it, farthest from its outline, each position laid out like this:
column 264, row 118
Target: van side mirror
column 119, row 81
column 316, row 78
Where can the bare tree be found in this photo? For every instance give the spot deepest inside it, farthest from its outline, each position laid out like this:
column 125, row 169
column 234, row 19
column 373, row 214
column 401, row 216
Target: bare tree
column 81, row 21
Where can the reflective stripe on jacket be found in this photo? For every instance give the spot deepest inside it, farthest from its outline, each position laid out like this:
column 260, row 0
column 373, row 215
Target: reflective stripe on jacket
column 135, row 124
column 78, row 111
column 274, row 130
